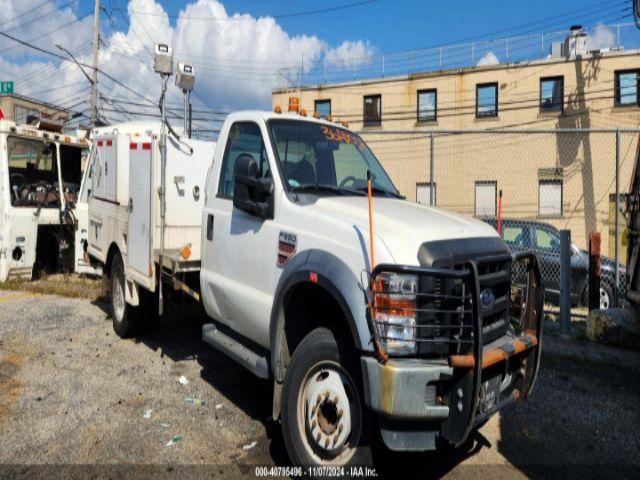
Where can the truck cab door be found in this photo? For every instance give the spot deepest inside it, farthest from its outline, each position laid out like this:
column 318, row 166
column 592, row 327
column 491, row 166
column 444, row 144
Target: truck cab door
column 239, row 249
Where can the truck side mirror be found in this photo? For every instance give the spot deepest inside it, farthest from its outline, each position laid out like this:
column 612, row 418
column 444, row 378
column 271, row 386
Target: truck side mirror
column 251, row 193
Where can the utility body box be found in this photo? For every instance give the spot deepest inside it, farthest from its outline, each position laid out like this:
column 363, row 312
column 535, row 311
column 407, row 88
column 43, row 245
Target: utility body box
column 124, row 202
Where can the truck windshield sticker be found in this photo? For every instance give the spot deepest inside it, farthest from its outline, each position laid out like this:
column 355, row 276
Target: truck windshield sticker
column 342, row 136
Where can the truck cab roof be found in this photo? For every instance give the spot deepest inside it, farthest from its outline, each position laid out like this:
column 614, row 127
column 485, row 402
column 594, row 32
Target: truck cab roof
column 267, row 115
column 10, row 127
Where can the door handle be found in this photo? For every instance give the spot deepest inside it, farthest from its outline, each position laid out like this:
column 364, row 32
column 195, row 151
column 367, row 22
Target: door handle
column 210, row 227
column 130, row 205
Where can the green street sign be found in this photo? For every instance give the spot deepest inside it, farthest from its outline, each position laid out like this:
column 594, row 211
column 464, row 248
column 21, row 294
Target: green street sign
column 6, row 87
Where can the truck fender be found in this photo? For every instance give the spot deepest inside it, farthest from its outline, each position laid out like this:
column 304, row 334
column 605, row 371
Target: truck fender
column 332, row 274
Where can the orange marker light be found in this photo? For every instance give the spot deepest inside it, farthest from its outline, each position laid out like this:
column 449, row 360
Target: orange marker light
column 294, row 104
column 185, row 252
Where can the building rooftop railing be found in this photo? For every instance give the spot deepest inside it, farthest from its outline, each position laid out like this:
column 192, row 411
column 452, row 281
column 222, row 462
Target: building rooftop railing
column 603, row 37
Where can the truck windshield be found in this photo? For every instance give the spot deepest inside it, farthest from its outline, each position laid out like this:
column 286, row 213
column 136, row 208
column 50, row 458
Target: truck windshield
column 327, row 159
column 32, row 173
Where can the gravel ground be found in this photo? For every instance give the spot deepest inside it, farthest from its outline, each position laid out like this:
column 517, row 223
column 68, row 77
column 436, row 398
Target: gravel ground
column 74, row 397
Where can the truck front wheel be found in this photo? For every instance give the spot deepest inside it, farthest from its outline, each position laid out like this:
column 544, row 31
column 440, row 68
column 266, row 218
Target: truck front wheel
column 324, row 422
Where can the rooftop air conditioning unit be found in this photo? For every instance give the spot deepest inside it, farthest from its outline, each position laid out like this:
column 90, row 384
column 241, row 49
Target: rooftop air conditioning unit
column 555, row 50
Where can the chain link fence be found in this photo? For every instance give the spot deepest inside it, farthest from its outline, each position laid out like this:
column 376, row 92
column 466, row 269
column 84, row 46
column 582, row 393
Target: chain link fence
column 541, row 182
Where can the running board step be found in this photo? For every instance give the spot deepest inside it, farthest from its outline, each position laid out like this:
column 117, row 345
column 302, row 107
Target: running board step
column 245, row 356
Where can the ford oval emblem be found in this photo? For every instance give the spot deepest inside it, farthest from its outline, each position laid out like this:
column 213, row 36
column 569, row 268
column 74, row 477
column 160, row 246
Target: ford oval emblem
column 487, row 298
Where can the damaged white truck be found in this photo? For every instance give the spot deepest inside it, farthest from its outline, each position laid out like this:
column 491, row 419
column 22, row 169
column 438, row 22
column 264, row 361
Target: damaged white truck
column 40, row 176
column 373, row 316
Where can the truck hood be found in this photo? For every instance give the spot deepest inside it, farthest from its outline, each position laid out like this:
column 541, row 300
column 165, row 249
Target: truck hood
column 400, row 225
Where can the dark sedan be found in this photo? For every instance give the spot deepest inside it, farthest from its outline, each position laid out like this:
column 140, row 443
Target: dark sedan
column 544, row 240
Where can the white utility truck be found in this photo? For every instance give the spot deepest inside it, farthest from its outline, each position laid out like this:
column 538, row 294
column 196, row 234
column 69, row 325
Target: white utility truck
column 40, row 175
column 125, row 224
column 420, row 344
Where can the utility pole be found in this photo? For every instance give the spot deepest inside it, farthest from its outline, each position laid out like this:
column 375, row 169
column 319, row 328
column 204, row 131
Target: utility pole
column 94, row 76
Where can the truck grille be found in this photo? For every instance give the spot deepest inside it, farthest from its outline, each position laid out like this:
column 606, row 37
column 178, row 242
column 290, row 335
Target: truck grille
column 445, row 307
column 445, row 303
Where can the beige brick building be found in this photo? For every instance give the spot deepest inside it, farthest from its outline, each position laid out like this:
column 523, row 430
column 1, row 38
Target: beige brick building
column 19, row 108
column 565, row 179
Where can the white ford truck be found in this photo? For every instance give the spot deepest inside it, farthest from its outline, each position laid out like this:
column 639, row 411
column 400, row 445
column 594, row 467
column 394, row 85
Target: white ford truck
column 419, row 347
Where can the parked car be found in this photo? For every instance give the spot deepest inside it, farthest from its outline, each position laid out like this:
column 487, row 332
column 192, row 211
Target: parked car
column 544, row 240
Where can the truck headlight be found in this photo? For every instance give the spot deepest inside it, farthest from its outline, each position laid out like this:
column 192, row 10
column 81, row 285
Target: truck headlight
column 395, row 312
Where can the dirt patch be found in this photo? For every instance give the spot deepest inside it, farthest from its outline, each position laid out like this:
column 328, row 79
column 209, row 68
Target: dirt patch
column 65, row 285
column 9, row 384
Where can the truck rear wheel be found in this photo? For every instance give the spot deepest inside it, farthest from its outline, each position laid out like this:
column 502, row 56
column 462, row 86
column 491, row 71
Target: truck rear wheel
column 324, row 421
column 127, row 319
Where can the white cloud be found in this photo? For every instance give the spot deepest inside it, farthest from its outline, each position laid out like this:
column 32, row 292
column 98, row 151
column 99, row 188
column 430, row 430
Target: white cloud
column 236, row 56
column 600, row 37
column 45, row 27
column 349, row 53
column 489, row 58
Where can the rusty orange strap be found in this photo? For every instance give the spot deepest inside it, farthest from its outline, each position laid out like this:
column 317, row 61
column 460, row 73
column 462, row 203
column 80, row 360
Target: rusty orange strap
column 494, row 355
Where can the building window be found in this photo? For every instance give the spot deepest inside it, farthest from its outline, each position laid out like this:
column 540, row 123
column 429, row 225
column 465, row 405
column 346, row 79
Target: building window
column 626, row 87
column 372, row 110
column 423, row 193
column 323, row 108
column 487, row 100
column 550, row 198
column 427, row 105
column 552, row 93
column 486, row 198
column 22, row 114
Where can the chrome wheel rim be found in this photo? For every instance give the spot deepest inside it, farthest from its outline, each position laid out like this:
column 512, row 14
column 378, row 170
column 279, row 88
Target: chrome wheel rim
column 118, row 299
column 605, row 301
column 329, row 414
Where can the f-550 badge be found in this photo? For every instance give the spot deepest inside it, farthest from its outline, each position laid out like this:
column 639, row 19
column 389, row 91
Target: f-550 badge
column 286, row 247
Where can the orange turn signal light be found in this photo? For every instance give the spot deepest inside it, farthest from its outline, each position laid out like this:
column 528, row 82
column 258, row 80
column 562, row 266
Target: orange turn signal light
column 185, row 252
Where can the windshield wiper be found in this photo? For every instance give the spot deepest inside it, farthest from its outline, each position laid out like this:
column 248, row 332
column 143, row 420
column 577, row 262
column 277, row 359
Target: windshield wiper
column 382, row 191
column 326, row 188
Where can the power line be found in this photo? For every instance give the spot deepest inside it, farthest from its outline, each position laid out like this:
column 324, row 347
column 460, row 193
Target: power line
column 27, row 12
column 246, row 17
column 47, row 33
column 40, row 17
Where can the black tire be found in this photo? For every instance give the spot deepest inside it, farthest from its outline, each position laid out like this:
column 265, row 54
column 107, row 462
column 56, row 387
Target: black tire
column 127, row 320
column 322, row 353
column 606, row 287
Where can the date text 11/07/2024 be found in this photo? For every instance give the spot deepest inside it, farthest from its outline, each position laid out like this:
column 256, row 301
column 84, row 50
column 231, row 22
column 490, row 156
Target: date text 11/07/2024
column 317, row 471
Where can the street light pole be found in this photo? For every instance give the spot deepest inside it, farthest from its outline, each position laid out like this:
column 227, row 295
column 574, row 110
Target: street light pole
column 94, row 112
column 84, row 72
column 94, row 82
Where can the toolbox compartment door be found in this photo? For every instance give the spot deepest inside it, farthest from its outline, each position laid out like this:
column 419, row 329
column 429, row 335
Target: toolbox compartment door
column 139, row 228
